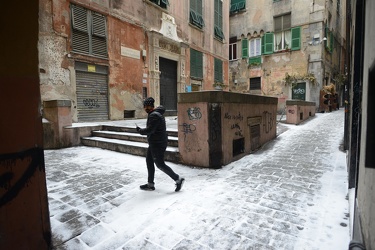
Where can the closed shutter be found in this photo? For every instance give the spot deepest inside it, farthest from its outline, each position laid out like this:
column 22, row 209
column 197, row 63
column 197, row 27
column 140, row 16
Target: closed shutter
column 196, row 64
column 218, row 70
column 80, row 32
column 268, row 43
column 245, row 45
column 296, row 38
column 99, row 44
column 92, row 96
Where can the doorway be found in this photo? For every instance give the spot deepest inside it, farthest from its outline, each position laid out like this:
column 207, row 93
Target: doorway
column 168, row 85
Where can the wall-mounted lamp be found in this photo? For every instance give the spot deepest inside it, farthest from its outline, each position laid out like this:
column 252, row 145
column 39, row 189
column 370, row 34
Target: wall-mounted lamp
column 324, row 39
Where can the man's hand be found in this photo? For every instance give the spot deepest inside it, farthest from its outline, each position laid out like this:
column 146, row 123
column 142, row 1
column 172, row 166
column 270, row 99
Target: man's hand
column 138, row 128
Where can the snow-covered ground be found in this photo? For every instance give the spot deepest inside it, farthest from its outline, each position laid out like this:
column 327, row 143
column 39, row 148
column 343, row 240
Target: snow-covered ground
column 291, row 194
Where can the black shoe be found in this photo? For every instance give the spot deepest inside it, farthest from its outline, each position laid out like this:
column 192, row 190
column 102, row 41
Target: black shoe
column 179, row 184
column 147, row 187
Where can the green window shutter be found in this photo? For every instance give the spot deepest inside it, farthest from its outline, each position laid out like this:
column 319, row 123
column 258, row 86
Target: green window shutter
column 237, row 5
column 326, row 32
column 263, row 42
column 196, row 64
column 268, row 43
column 331, row 42
column 296, row 38
column 196, row 17
column 245, row 48
column 218, row 19
column 218, row 70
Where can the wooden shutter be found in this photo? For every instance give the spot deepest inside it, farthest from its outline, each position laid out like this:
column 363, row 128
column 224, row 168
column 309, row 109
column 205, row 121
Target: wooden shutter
column 245, row 49
column 99, row 38
column 80, row 31
column 296, row 38
column 268, row 43
column 218, row 70
column 196, row 64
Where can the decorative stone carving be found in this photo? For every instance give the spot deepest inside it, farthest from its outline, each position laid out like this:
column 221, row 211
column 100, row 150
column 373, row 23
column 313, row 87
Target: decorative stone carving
column 169, row 27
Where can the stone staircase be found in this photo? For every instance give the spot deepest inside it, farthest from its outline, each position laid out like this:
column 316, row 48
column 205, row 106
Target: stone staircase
column 128, row 140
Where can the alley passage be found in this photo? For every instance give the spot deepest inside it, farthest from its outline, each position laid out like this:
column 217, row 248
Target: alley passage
column 291, row 194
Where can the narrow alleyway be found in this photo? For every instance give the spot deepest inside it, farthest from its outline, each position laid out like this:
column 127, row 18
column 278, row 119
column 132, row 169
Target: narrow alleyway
column 291, row 194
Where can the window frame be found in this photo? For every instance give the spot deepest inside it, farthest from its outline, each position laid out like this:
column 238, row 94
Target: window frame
column 233, row 55
column 256, row 47
column 282, row 28
column 161, row 3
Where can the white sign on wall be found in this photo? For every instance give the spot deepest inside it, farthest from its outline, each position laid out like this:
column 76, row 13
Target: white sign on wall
column 128, row 52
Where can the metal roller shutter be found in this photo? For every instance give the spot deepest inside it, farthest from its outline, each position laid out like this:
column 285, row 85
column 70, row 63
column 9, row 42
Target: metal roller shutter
column 92, row 96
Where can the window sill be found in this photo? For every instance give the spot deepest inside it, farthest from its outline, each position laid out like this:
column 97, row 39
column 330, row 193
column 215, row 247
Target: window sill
column 195, row 27
column 237, row 12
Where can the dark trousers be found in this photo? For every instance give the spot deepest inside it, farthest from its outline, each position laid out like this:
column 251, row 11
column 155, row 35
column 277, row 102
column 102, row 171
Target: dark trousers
column 155, row 155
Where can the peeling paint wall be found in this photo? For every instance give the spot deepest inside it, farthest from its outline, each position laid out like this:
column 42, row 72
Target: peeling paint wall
column 257, row 20
column 134, row 33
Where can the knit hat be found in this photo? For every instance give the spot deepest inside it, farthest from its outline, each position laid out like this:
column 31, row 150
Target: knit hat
column 149, row 102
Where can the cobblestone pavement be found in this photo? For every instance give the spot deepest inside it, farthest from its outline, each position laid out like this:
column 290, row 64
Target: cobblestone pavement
column 291, row 194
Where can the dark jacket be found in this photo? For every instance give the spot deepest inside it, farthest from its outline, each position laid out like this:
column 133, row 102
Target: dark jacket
column 155, row 127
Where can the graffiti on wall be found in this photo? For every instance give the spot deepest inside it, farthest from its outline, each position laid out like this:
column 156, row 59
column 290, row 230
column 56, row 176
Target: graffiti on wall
column 188, row 128
column 236, row 117
column 238, row 129
column 11, row 182
column 268, row 121
column 235, row 126
column 194, row 113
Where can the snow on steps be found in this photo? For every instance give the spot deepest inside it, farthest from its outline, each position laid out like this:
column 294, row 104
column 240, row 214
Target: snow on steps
column 127, row 140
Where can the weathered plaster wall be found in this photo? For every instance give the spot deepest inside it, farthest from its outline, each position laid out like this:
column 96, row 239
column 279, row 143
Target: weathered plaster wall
column 210, row 122
column 126, row 73
column 257, row 20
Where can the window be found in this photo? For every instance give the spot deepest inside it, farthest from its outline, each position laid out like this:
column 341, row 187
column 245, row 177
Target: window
column 237, row 5
column 282, row 25
column 162, row 3
column 254, row 47
column 218, row 20
column 196, row 17
column 196, row 64
column 218, row 70
column 255, row 83
column 232, row 48
column 88, row 32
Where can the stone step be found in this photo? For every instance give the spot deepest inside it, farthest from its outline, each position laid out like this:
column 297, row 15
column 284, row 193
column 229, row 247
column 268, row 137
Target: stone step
column 130, row 136
column 172, row 133
column 128, row 147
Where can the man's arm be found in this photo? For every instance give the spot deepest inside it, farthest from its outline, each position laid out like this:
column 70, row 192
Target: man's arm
column 153, row 123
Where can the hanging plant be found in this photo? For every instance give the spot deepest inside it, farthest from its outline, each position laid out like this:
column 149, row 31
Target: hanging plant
column 293, row 79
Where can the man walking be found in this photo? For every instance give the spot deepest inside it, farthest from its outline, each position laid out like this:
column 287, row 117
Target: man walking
column 157, row 143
